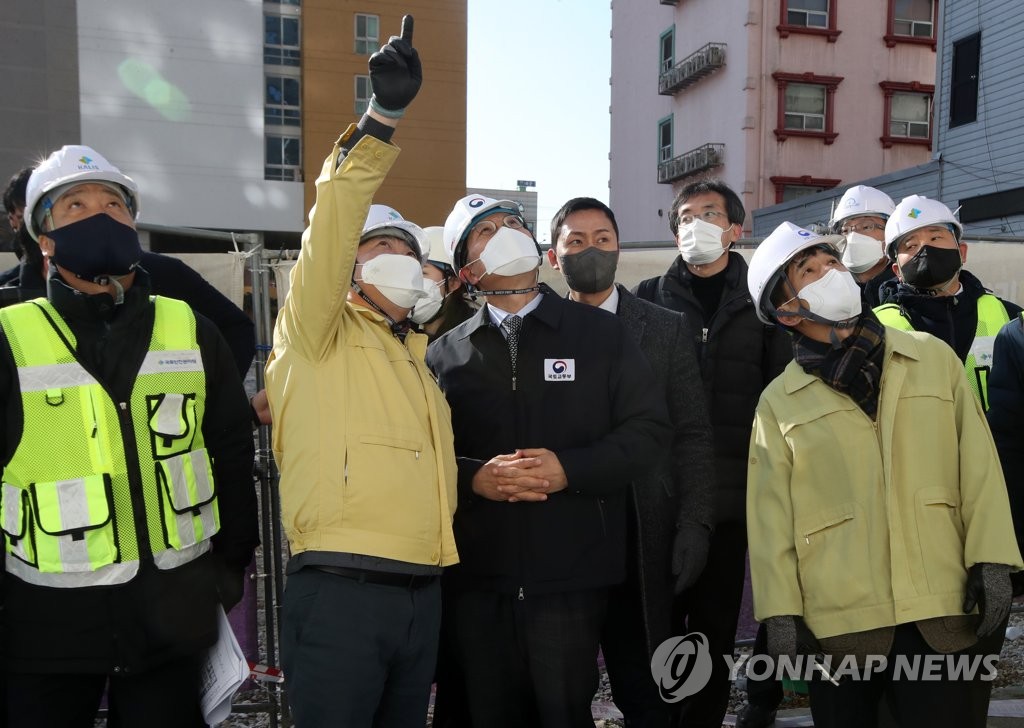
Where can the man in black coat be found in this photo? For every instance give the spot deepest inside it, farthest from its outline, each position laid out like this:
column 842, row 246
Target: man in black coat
column 554, row 417
column 738, row 357
column 670, row 508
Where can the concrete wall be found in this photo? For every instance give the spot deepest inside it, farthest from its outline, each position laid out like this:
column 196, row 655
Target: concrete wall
column 178, row 105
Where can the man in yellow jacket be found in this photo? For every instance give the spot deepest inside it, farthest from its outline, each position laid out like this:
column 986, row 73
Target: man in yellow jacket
column 877, row 513
column 363, row 439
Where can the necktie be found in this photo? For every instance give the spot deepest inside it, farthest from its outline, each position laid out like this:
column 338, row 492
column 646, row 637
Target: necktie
column 513, row 324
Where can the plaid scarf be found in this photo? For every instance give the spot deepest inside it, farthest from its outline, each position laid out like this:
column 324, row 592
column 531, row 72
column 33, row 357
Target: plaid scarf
column 852, row 366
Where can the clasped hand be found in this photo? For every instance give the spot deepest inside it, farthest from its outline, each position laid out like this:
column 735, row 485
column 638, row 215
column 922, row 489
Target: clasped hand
column 524, row 475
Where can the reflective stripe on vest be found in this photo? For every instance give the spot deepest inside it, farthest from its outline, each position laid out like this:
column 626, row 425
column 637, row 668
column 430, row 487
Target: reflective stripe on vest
column 69, row 496
column 991, row 317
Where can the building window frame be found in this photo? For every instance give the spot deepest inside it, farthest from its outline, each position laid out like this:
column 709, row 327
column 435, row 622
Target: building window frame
column 282, row 53
column 665, row 123
column 665, row 64
column 361, row 92
column 276, row 164
column 781, row 183
column 831, row 83
column 963, row 81
column 891, row 37
column 286, row 110
column 891, row 88
column 365, row 43
column 830, row 31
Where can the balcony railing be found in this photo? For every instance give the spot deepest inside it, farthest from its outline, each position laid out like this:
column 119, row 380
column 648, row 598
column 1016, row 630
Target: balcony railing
column 692, row 162
column 692, row 69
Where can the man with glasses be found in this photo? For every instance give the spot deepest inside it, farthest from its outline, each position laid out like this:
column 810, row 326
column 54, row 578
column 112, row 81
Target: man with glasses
column 554, row 417
column 860, row 217
column 738, row 357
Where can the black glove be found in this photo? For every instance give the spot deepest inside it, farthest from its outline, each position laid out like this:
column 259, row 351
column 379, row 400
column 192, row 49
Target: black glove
column 689, row 553
column 989, row 587
column 395, row 74
column 790, row 635
column 230, row 585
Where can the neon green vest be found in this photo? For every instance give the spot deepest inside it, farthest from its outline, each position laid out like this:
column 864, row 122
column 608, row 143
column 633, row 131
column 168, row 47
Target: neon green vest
column 87, row 467
column 991, row 317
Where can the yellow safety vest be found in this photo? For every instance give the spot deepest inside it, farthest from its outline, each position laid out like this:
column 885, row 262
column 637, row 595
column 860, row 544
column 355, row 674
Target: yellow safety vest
column 991, row 317
column 95, row 485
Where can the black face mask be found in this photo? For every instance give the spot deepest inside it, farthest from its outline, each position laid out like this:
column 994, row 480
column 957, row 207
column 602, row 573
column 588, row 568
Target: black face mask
column 95, row 247
column 591, row 271
column 931, row 266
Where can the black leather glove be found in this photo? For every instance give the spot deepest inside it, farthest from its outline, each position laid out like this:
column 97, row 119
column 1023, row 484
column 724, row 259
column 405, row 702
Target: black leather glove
column 689, row 553
column 395, row 74
column 989, row 587
column 230, row 585
column 790, row 635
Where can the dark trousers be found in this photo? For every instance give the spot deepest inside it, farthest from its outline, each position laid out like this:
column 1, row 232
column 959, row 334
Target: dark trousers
column 712, row 606
column 357, row 654
column 940, row 703
column 624, row 645
column 532, row 661
column 451, row 707
column 166, row 697
column 764, row 692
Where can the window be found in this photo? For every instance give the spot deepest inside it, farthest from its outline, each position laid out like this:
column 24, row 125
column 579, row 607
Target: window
column 963, row 92
column 667, row 51
column 792, row 188
column 813, row 17
column 805, row 105
column 665, row 140
column 911, row 21
column 283, row 160
column 280, row 40
column 367, row 34
column 363, row 93
column 284, row 2
column 910, row 115
column 281, row 104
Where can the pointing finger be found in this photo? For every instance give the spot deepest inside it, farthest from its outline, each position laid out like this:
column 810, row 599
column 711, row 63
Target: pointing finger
column 407, row 28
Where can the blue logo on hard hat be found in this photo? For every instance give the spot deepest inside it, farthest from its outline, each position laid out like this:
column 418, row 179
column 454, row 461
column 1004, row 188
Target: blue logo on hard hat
column 476, row 202
column 85, row 160
column 914, row 212
column 804, row 233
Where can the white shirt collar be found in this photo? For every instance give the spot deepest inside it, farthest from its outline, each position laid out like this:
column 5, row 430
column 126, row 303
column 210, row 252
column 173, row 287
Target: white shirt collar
column 611, row 304
column 498, row 315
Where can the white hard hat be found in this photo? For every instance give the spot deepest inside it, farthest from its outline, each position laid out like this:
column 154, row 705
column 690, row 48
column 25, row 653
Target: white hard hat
column 382, row 217
column 914, row 213
column 466, row 212
column 861, row 200
column 69, row 165
column 436, row 251
column 769, row 262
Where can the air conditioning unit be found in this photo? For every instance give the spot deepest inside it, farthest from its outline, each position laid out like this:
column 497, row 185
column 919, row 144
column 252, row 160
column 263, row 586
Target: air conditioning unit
column 716, row 56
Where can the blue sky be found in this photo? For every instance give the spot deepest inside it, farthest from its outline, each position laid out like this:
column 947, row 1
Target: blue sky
column 538, row 99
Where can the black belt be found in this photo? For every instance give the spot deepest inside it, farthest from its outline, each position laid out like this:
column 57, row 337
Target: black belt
column 386, row 578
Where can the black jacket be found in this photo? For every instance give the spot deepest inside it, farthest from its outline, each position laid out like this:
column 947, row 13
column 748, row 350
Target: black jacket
column 1006, row 414
column 954, row 319
column 738, row 357
column 872, row 289
column 159, row 615
column 680, row 488
column 169, row 277
column 606, row 425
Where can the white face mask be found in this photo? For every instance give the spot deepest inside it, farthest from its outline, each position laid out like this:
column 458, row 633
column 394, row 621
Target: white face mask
column 861, row 253
column 835, row 296
column 700, row 242
column 399, row 278
column 509, row 253
column 426, row 308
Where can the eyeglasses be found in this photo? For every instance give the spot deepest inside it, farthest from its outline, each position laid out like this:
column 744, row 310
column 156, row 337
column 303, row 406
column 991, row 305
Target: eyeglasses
column 707, row 216
column 864, row 227
column 487, row 228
